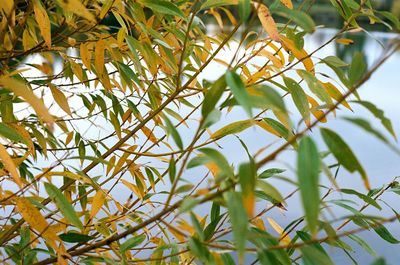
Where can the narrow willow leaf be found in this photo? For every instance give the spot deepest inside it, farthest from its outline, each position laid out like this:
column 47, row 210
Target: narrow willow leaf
column 11, row 133
column 267, row 21
column 313, row 256
column 199, row 250
column 239, row 223
column 270, row 190
column 299, row 97
column 98, row 200
column 63, row 204
column 174, row 133
column 308, row 165
column 363, row 244
column 379, row 261
column 213, row 95
column 299, row 17
column 364, row 197
column 60, row 98
column 235, row 127
column 357, row 69
column 216, row 3
column 164, row 7
column 300, row 54
column 20, row 89
column 364, row 124
column 172, row 169
column 316, row 86
column 72, row 237
column 10, row 166
column 43, row 21
column 78, row 8
column 35, row 219
column 343, row 154
column 379, row 114
column 239, row 91
column 271, row 172
column 384, row 233
column 132, row 242
column 247, row 180
column 244, row 9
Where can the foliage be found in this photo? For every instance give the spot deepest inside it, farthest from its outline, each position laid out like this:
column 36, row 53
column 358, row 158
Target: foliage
column 110, row 135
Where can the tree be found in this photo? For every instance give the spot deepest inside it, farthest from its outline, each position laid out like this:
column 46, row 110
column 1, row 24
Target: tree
column 110, row 136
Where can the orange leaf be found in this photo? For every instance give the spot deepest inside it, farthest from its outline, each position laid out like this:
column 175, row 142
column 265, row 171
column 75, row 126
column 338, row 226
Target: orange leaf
column 267, row 21
column 43, row 21
column 300, row 54
column 98, row 201
column 344, row 41
column 60, row 98
column 9, row 165
column 22, row 90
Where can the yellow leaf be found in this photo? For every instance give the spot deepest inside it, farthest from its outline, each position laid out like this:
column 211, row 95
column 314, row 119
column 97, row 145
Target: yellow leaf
column 99, row 57
column 149, row 134
column 43, row 21
column 234, row 127
column 344, row 41
column 9, row 165
column 36, row 220
column 22, row 90
column 317, row 113
column 267, row 21
column 336, row 94
column 86, row 56
column 98, row 201
column 69, row 175
column 60, row 98
column 267, row 127
column 76, row 7
column 287, row 3
column 285, row 239
column 25, row 134
column 300, row 54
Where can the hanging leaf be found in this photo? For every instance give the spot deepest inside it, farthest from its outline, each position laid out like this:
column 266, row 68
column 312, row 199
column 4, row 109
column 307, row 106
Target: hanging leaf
column 244, row 9
column 299, row 97
column 132, row 242
column 10, row 166
column 60, row 98
column 174, row 133
column 164, row 7
column 299, row 17
column 98, row 201
column 267, row 21
column 62, row 204
column 357, row 69
column 213, row 95
column 233, row 128
column 343, row 154
column 22, row 90
column 300, row 54
column 43, row 21
column 239, row 91
column 308, row 165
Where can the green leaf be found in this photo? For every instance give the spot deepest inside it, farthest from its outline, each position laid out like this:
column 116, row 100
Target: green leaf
column 335, row 61
column 384, row 233
column 357, row 69
column 235, row 127
column 271, row 172
column 216, row 3
column 313, row 256
column 379, row 261
column 308, row 165
column 10, row 133
column 172, row 169
column 199, row 250
column 315, row 86
column 364, row 124
column 244, row 10
column 239, row 91
column 238, row 218
column 270, row 190
column 212, row 96
column 363, row 244
column 299, row 17
column 379, row 114
column 132, row 242
column 342, row 152
column 364, row 197
column 174, row 133
column 299, row 97
column 62, row 204
column 164, row 7
column 188, row 204
column 72, row 237
column 211, row 155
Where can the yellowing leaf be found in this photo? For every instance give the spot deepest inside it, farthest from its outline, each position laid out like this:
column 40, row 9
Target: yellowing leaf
column 9, row 165
column 232, row 128
column 98, row 201
column 344, row 41
column 287, row 3
column 318, row 114
column 76, row 7
column 336, row 94
column 300, row 54
column 86, row 55
column 25, row 134
column 285, row 239
column 43, row 21
column 36, row 220
column 69, row 175
column 99, row 57
column 267, row 21
column 22, row 90
column 149, row 134
column 60, row 98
